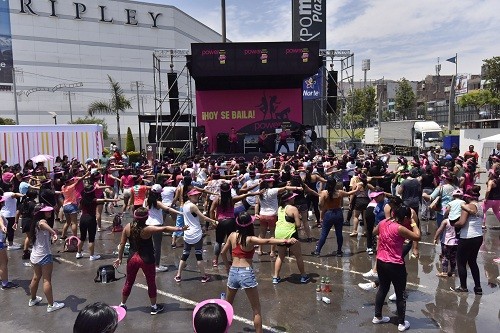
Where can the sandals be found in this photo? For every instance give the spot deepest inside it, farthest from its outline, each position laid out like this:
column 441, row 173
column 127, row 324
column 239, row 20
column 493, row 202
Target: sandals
column 442, row 274
column 353, row 234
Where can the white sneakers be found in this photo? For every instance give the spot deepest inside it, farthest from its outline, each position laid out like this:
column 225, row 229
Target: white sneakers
column 14, row 246
column 95, row 257
column 161, row 268
column 404, row 327
column 393, row 297
column 54, row 307
column 79, row 255
column 33, row 302
column 367, row 286
column 382, row 320
column 370, row 274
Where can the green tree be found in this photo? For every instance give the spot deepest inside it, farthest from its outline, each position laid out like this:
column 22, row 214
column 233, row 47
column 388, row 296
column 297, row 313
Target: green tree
column 492, row 78
column 405, row 100
column 130, row 145
column 93, row 120
column 478, row 99
column 369, row 105
column 7, row 121
column 118, row 103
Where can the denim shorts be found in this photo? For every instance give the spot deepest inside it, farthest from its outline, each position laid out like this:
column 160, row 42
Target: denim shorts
column 241, row 278
column 46, row 260
column 70, row 209
column 2, row 245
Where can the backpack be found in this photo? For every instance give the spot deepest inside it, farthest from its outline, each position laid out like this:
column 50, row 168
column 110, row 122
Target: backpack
column 71, row 244
column 117, row 224
column 109, row 270
column 314, row 135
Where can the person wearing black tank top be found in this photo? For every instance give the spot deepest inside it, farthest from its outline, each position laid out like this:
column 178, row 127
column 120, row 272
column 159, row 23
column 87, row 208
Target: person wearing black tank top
column 141, row 255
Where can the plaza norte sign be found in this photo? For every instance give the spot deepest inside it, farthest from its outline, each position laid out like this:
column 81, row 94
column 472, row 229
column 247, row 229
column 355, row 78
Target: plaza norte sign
column 33, row 7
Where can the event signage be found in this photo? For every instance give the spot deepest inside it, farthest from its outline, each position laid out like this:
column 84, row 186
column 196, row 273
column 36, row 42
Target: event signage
column 6, row 62
column 309, row 21
column 461, row 84
column 33, row 7
column 311, row 87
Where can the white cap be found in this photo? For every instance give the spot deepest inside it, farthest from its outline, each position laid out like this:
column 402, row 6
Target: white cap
column 156, row 188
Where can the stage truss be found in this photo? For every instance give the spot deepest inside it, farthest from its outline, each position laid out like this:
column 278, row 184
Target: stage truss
column 177, row 58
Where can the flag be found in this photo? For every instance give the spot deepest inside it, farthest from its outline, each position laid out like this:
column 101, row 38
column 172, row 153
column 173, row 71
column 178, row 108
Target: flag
column 453, row 60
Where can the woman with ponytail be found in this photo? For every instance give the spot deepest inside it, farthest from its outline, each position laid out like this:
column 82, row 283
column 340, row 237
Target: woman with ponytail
column 141, row 255
column 331, row 201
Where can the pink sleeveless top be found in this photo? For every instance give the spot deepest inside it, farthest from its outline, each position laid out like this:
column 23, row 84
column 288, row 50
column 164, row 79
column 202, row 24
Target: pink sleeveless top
column 390, row 245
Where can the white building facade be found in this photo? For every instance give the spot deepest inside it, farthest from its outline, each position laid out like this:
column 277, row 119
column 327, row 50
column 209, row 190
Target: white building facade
column 63, row 52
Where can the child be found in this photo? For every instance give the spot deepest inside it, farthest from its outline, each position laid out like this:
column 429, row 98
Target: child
column 449, row 248
column 453, row 209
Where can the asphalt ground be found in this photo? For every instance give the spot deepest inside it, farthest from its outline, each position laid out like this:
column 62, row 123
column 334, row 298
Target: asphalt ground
column 286, row 307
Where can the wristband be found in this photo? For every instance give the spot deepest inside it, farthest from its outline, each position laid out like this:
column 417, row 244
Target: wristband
column 413, row 224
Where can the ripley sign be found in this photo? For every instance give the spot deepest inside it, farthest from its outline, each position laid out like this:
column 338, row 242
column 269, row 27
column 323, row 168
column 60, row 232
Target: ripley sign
column 32, row 7
column 309, row 21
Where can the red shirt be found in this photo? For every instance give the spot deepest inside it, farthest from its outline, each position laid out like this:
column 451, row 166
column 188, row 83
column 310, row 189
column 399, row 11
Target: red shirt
column 468, row 154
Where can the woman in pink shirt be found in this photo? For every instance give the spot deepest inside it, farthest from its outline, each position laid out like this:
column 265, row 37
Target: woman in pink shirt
column 390, row 263
column 127, row 182
column 70, row 205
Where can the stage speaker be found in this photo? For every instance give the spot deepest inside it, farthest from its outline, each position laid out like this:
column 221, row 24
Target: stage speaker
column 173, row 100
column 331, row 92
column 223, row 143
column 200, row 129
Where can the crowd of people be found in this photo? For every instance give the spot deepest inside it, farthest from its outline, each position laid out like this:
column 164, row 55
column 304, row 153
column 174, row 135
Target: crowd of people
column 391, row 208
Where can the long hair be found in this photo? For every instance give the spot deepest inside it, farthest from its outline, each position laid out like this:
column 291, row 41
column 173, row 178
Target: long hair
column 331, row 186
column 226, row 201
column 185, row 188
column 153, row 199
column 264, row 185
column 243, row 232
column 88, row 195
column 37, row 216
column 138, row 223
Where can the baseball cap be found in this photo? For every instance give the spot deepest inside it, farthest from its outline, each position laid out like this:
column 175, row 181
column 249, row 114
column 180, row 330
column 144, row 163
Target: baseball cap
column 457, row 192
column 194, row 192
column 373, row 195
column 228, row 309
column 46, row 209
column 156, row 188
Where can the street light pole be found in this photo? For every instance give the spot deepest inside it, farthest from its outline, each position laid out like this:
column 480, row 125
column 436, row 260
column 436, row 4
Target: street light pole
column 139, row 113
column 223, row 5
column 70, row 107
column 15, row 94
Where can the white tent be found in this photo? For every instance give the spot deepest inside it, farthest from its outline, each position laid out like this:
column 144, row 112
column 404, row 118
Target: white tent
column 494, row 138
column 489, row 143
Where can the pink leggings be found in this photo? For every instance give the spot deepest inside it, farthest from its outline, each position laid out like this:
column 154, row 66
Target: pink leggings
column 494, row 205
column 133, row 266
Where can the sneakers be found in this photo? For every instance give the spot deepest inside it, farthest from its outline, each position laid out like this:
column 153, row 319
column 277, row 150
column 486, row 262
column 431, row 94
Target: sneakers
column 215, row 263
column 382, row 320
column 14, row 246
column 404, row 327
column 95, row 257
column 367, row 286
column 33, row 302
column 370, row 251
column 276, row 280
column 339, row 253
column 54, row 307
column 305, row 279
column 478, row 290
column 155, row 309
column 79, row 255
column 315, row 253
column 177, row 278
column 161, row 268
column 123, row 306
column 393, row 297
column 459, row 290
column 370, row 274
column 9, row 285
column 205, row 279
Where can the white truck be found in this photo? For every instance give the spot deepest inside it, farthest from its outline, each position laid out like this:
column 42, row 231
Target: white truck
column 409, row 135
column 19, row 143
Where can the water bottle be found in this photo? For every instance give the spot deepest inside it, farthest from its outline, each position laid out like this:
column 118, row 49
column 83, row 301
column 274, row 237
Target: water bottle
column 223, row 296
column 322, row 286
column 328, row 286
column 104, row 277
column 318, row 292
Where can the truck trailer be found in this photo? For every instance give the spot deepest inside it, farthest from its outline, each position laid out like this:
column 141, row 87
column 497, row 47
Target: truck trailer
column 19, row 143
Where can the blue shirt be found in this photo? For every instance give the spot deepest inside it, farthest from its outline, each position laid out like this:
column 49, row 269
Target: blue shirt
column 379, row 211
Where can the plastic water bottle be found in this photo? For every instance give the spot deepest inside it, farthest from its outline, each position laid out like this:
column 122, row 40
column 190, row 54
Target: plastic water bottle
column 323, row 283
column 318, row 292
column 104, row 277
column 328, row 286
column 223, row 296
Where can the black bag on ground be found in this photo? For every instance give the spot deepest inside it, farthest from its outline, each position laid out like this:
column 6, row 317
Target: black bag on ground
column 109, row 272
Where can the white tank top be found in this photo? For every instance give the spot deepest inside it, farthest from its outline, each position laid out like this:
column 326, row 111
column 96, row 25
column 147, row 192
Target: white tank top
column 155, row 216
column 194, row 233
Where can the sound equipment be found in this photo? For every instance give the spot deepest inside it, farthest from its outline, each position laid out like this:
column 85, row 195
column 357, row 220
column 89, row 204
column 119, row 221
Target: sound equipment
column 223, row 143
column 173, row 100
column 331, row 99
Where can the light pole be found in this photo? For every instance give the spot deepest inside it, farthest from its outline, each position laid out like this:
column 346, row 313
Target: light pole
column 54, row 116
column 69, row 86
column 365, row 67
column 15, row 94
column 223, row 5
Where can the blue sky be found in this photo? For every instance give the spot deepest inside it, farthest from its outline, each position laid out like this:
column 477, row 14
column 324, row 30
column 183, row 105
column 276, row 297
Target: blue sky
column 401, row 38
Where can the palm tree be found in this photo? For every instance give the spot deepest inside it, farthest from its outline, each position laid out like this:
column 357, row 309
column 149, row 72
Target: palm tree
column 118, row 103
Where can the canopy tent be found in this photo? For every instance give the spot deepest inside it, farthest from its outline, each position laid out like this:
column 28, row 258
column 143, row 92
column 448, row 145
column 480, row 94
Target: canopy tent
column 488, row 144
column 493, row 138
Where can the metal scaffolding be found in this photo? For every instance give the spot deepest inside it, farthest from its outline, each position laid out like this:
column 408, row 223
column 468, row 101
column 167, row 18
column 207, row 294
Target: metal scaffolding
column 174, row 57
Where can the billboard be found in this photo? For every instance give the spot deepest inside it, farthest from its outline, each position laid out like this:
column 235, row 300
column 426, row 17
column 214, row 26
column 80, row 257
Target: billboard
column 6, row 61
column 311, row 87
column 248, row 111
column 309, row 21
column 461, row 83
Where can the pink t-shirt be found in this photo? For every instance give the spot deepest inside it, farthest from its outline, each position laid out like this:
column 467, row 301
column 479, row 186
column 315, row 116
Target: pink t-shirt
column 128, row 181
column 390, row 244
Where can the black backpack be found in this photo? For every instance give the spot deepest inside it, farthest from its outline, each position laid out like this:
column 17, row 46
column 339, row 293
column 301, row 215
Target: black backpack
column 314, row 135
column 110, row 271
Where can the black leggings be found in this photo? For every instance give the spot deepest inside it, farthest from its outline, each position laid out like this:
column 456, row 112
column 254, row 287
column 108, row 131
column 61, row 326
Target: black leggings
column 223, row 230
column 88, row 224
column 157, row 239
column 314, row 201
column 369, row 223
column 467, row 251
column 10, row 228
column 396, row 274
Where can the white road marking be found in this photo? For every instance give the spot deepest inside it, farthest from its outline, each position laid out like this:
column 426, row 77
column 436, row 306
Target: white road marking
column 68, row 262
column 193, row 303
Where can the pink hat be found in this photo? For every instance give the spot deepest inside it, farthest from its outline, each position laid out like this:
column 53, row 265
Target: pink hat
column 194, row 192
column 270, row 179
column 373, row 195
column 46, row 209
column 121, row 312
column 228, row 308
column 293, row 195
column 457, row 192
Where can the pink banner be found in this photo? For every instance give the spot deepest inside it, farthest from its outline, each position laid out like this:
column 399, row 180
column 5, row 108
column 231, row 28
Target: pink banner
column 248, row 111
